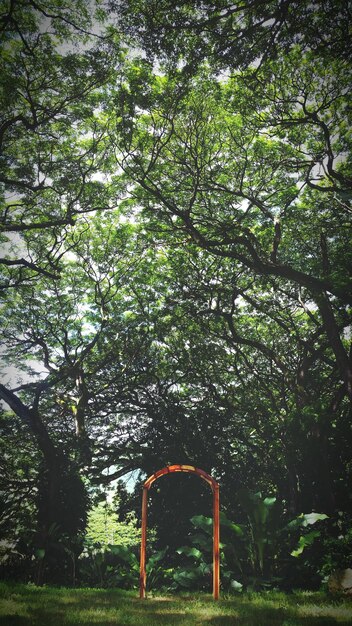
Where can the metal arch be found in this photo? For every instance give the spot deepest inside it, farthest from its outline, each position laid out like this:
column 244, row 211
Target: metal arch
column 189, row 469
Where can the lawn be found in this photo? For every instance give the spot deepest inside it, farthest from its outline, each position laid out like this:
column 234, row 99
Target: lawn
column 27, row 605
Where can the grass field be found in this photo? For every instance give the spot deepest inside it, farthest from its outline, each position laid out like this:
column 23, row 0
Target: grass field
column 26, row 605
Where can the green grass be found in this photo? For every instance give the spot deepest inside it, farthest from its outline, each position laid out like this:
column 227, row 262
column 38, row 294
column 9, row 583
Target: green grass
column 27, row 605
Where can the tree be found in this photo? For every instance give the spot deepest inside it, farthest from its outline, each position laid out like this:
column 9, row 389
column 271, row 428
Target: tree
column 49, row 159
column 236, row 35
column 235, row 180
column 78, row 407
column 51, row 150
column 179, row 242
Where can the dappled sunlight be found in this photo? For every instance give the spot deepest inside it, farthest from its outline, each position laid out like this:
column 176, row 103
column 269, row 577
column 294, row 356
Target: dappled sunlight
column 175, row 280
column 34, row 606
column 338, row 613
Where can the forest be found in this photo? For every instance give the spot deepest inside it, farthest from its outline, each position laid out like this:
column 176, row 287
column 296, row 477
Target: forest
column 176, row 288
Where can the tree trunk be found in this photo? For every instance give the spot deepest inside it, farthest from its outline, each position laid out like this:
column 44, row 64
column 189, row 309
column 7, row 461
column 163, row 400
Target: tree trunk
column 83, row 442
column 342, row 358
column 318, row 459
column 293, row 487
column 55, row 480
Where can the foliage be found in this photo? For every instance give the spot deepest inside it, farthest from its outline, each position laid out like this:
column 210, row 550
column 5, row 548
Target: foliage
column 252, row 555
column 235, row 35
column 334, row 549
column 198, row 575
column 118, row 566
column 303, row 521
column 175, row 273
column 103, row 527
column 258, row 510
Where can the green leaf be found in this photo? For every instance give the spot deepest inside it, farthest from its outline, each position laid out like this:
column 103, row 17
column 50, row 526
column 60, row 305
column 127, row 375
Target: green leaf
column 124, row 553
column 304, row 541
column 156, row 557
column 306, row 519
column 188, row 551
column 203, row 522
column 186, row 578
column 312, row 518
column 224, row 521
column 236, row 586
column 269, row 502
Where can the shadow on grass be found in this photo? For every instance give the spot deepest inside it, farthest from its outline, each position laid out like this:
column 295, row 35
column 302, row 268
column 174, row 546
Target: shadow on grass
column 60, row 607
column 13, row 620
column 262, row 621
column 172, row 619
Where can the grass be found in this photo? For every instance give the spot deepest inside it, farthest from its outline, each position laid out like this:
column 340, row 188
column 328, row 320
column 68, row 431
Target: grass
column 27, row 605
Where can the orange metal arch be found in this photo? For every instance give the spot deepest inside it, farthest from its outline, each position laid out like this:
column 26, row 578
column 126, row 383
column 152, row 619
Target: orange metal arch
column 189, row 469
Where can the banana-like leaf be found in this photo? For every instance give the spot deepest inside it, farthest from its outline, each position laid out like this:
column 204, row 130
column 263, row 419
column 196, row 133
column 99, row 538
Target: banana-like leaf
column 203, row 522
column 306, row 519
column 236, row 586
column 188, row 551
column 124, row 553
column 156, row 557
column 304, row 541
column 224, row 521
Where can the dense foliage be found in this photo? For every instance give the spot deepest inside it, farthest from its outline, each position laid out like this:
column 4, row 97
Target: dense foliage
column 176, row 282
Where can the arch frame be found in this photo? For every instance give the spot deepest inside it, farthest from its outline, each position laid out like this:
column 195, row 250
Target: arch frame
column 189, row 469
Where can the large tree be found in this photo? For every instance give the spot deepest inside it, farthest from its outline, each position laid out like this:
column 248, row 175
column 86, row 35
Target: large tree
column 55, row 60
column 178, row 236
column 237, row 34
column 253, row 174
